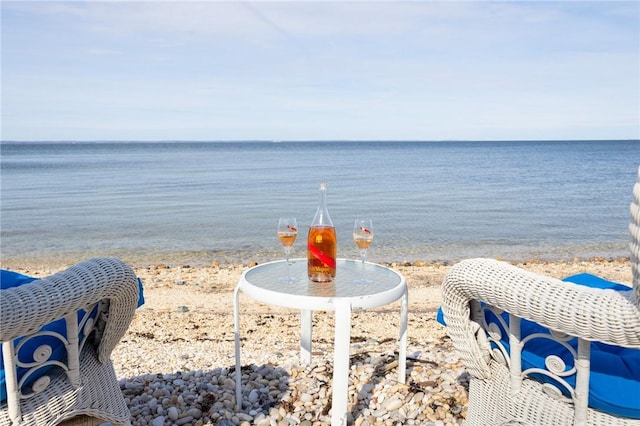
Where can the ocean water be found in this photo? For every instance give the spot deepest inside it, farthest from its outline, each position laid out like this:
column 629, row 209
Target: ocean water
column 196, row 202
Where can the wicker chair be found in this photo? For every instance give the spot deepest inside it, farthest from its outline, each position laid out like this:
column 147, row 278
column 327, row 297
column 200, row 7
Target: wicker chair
column 97, row 299
column 485, row 302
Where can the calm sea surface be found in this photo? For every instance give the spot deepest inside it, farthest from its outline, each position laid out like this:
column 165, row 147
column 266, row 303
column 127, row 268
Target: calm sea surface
column 198, row 202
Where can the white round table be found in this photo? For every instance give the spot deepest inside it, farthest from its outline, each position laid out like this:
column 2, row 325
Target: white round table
column 263, row 283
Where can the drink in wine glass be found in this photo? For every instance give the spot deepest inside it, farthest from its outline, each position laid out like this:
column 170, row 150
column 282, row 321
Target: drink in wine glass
column 363, row 236
column 287, row 234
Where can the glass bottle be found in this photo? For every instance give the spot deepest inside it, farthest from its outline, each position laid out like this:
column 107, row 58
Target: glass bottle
column 322, row 243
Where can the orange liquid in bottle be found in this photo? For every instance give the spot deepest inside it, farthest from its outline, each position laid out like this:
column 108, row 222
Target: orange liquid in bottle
column 321, row 253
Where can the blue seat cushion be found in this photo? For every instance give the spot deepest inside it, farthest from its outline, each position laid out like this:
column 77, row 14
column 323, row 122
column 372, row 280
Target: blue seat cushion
column 9, row 279
column 614, row 382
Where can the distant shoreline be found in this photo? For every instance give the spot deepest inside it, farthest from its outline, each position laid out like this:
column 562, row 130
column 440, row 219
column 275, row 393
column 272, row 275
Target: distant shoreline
column 268, row 141
column 383, row 255
column 53, row 264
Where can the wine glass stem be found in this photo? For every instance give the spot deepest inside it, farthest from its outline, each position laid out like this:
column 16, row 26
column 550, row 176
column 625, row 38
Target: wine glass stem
column 363, row 255
column 287, row 251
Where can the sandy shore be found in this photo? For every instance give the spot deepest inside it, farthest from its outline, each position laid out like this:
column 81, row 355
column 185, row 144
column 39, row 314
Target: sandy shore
column 186, row 326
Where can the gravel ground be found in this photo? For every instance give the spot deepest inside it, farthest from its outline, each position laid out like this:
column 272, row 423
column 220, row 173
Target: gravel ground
column 176, row 362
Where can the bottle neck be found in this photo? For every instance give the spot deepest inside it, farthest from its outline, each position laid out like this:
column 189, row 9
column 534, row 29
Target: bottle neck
column 322, row 214
column 322, row 199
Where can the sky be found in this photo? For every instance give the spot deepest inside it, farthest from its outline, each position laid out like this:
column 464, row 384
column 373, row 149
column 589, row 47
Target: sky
column 319, row 70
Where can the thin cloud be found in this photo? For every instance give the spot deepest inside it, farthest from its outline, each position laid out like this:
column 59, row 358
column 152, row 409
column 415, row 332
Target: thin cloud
column 311, row 69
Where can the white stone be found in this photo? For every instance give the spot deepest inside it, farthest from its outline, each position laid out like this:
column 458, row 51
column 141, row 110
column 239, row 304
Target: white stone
column 253, row 396
column 173, row 413
column 393, row 404
column 158, row 421
column 244, row 417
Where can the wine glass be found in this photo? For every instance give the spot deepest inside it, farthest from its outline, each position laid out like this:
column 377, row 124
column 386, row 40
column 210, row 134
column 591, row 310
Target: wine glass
column 363, row 236
column 287, row 233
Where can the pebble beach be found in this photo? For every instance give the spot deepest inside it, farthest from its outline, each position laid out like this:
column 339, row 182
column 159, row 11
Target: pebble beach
column 176, row 364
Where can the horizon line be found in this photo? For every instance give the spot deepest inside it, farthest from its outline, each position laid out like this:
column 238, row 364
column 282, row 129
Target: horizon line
column 305, row 140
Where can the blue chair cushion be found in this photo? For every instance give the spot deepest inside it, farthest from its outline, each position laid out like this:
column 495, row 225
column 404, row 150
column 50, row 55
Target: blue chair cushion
column 9, row 279
column 614, row 382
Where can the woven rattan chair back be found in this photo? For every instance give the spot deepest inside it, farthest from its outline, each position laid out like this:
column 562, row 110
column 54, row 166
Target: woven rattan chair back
column 83, row 382
column 485, row 301
column 634, row 229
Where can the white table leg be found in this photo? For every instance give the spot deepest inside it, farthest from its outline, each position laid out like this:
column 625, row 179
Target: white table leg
column 341, row 362
column 236, row 322
column 402, row 353
column 305, row 336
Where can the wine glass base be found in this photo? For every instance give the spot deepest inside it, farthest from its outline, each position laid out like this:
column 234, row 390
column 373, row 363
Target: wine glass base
column 362, row 281
column 287, row 280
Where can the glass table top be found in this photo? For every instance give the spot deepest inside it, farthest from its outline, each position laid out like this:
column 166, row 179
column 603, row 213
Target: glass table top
column 268, row 277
